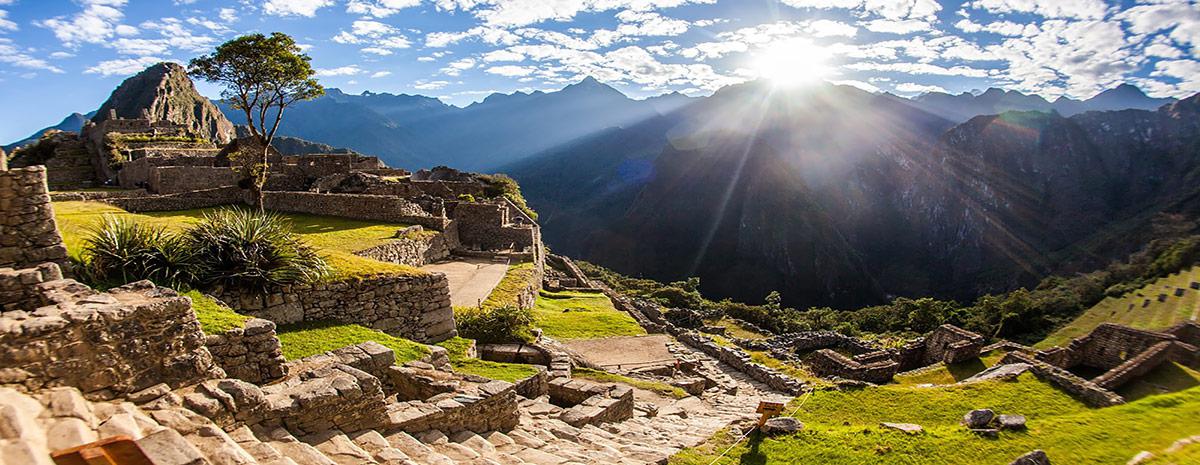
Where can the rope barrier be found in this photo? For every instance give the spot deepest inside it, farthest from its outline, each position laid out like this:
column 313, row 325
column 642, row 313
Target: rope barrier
column 807, row 395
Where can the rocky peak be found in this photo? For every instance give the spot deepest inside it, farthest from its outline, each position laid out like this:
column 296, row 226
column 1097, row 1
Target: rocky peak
column 166, row 93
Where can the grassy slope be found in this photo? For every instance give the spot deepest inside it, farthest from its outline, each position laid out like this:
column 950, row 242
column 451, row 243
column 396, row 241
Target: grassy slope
column 457, row 350
column 657, row 387
column 214, row 317
column 337, row 238
column 576, row 315
column 515, row 279
column 1157, row 315
column 312, row 338
column 842, row 427
column 941, row 374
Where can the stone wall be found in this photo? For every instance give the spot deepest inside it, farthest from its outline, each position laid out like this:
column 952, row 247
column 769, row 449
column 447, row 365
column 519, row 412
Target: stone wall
column 107, row 345
column 415, row 252
column 1110, row 345
column 183, row 201
column 178, row 179
column 739, row 360
column 950, row 344
column 136, row 173
column 251, row 353
column 588, row 403
column 413, row 307
column 361, row 207
column 28, row 233
column 488, row 226
column 19, row 288
column 1089, row 392
column 829, row 364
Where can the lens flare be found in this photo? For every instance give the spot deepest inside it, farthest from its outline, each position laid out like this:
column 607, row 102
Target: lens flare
column 792, row 62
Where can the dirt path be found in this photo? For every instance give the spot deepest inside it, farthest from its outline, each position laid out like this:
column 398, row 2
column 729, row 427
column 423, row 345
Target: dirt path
column 629, row 351
column 471, row 279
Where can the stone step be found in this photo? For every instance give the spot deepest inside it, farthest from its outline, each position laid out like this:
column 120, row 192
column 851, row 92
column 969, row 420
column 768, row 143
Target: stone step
column 339, row 448
column 287, row 445
column 417, row 450
column 379, row 448
column 263, row 453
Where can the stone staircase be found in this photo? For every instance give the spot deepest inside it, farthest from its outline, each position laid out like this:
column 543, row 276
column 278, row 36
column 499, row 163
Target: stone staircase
column 59, row 418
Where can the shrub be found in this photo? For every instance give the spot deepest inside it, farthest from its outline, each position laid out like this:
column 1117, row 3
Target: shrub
column 253, row 250
column 466, row 198
column 495, row 325
column 500, row 185
column 120, row 251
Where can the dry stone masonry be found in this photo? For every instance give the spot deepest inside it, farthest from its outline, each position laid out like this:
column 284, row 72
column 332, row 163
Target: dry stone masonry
column 29, row 235
column 251, row 353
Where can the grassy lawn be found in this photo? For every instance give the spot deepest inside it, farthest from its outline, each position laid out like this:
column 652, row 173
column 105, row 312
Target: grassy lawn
column 732, row 329
column 842, row 427
column 311, row 338
column 941, row 374
column 1169, row 377
column 1155, row 316
column 657, row 387
column 214, row 317
column 336, row 238
column 579, row 315
column 457, row 347
column 506, row 292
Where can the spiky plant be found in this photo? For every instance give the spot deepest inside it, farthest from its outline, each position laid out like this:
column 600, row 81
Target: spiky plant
column 252, row 250
column 121, row 251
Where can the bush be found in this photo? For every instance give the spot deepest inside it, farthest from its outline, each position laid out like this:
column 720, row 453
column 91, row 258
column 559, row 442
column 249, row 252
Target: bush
column 122, row 251
column 500, row 185
column 466, row 198
column 496, row 325
column 253, row 250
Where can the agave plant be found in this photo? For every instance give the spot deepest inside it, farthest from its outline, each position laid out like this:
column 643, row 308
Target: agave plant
column 252, row 250
column 121, row 250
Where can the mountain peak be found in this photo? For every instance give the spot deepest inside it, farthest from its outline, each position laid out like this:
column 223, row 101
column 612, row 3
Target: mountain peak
column 164, row 92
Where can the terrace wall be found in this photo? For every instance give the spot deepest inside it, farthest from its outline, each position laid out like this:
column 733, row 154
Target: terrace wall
column 28, row 233
column 251, row 353
column 413, row 307
column 356, row 206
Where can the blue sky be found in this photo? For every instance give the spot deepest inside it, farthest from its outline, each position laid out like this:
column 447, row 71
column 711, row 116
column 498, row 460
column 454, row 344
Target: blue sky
column 60, row 56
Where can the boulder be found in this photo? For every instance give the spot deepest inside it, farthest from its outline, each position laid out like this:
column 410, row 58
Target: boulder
column 782, row 425
column 1011, row 422
column 978, row 418
column 1036, row 457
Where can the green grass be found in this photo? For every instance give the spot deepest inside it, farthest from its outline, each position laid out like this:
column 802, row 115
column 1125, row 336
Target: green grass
column 336, row 238
column 457, row 347
column 732, row 329
column 842, row 427
column 941, row 374
column 515, row 280
column 214, row 317
column 656, row 387
column 1186, row 455
column 1168, row 377
column 1155, row 316
column 578, row 315
column 311, row 338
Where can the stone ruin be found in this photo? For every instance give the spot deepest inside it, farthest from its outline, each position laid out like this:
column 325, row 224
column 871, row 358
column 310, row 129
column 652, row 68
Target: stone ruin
column 946, row 344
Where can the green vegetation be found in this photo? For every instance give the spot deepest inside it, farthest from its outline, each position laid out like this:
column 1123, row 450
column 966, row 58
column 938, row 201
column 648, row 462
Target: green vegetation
column 657, row 387
column 500, row 318
column 335, row 238
column 457, row 348
column 121, row 250
column 578, row 315
column 214, row 317
column 733, row 329
column 1168, row 377
column 252, row 250
column 1023, row 315
column 515, row 280
column 1130, row 309
column 500, row 185
column 940, row 373
column 311, row 338
column 843, row 427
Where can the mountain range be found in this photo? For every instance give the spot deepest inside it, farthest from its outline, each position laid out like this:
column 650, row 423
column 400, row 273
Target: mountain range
column 829, row 194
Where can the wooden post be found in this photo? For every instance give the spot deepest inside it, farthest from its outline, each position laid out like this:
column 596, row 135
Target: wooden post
column 768, row 410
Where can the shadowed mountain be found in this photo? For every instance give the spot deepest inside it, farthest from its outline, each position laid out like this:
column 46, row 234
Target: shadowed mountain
column 72, row 123
column 993, row 101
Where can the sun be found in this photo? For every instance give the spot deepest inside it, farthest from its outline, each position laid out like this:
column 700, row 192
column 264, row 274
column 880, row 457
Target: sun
column 791, row 62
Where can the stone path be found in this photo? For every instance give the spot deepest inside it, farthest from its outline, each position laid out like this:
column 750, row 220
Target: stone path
column 471, row 279
column 628, row 352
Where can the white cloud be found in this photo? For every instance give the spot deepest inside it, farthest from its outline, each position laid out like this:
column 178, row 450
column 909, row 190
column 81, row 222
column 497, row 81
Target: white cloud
column 228, row 15
column 897, row 26
column 429, row 85
column 511, row 70
column 912, row 88
column 516, row 13
column 378, row 38
column 1078, row 9
column 306, row 8
column 1187, row 72
column 5, row 24
column 502, row 55
column 859, row 84
column 489, row 35
column 125, row 66
column 1182, row 19
column 379, row 74
column 350, row 70
column 919, row 68
column 456, row 67
column 94, row 24
column 10, row 54
column 379, row 8
column 828, row 28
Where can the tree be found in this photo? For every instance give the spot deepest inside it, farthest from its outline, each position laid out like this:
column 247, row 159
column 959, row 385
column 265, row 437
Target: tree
column 262, row 76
